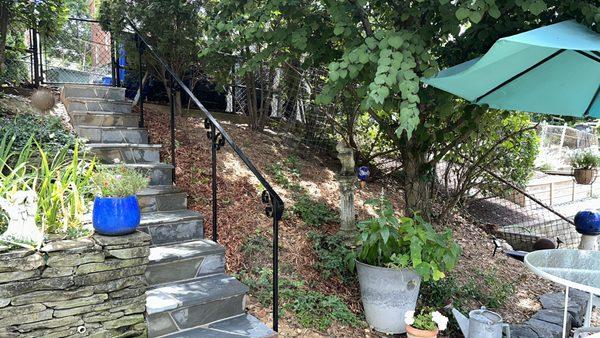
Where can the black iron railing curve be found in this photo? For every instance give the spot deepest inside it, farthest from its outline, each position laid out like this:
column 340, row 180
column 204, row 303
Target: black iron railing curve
column 219, row 138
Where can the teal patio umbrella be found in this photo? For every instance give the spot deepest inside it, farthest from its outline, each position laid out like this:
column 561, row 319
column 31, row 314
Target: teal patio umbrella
column 552, row 70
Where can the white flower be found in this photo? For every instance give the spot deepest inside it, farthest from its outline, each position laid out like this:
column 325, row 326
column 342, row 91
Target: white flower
column 440, row 320
column 409, row 317
column 51, row 135
column 117, row 161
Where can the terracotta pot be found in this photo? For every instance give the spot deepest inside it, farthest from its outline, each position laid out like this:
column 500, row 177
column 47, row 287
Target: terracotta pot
column 584, row 176
column 411, row 332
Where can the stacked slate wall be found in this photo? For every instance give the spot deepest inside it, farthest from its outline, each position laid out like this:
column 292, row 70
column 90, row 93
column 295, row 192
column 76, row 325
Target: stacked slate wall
column 87, row 287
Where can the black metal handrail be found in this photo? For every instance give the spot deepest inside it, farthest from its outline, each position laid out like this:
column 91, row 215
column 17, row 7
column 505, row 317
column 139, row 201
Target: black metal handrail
column 219, row 137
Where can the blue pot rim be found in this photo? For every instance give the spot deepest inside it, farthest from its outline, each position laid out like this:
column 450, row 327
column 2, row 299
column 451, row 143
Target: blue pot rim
column 116, row 198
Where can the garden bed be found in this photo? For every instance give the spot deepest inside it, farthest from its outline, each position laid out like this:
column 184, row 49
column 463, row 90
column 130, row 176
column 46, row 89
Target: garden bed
column 94, row 285
column 308, row 261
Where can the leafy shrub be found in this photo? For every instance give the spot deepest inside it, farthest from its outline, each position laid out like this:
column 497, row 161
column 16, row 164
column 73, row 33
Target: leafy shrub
column 585, row 159
column 283, row 170
column 514, row 145
column 405, row 242
column 426, row 318
column 257, row 249
column 47, row 131
column 312, row 309
column 316, row 310
column 278, row 172
column 333, row 255
column 313, row 212
column 483, row 288
column 16, row 62
column 119, row 181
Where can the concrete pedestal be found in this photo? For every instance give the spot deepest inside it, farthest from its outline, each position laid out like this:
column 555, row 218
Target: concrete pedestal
column 588, row 242
column 347, row 213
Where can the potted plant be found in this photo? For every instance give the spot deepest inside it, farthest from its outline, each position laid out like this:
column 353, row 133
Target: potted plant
column 424, row 324
column 584, row 163
column 116, row 209
column 393, row 255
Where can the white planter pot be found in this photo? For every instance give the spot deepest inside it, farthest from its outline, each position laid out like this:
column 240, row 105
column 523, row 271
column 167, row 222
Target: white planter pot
column 386, row 295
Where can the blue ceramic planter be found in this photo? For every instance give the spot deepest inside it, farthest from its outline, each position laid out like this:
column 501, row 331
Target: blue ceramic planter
column 587, row 222
column 115, row 216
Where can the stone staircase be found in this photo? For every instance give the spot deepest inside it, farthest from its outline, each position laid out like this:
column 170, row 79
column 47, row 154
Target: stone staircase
column 189, row 294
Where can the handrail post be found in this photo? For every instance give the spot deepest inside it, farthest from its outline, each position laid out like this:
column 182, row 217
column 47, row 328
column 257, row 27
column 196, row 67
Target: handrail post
column 213, row 141
column 172, row 125
column 276, row 215
column 141, row 98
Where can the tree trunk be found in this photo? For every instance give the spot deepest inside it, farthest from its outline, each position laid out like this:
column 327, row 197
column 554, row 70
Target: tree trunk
column 178, row 105
column 417, row 188
column 252, row 102
column 138, row 94
column 4, row 20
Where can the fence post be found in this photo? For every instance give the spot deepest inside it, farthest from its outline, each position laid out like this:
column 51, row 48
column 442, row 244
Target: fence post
column 35, row 55
column 562, row 139
column 113, row 62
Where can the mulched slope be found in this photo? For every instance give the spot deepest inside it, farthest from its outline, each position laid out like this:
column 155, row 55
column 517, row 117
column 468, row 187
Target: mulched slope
column 242, row 214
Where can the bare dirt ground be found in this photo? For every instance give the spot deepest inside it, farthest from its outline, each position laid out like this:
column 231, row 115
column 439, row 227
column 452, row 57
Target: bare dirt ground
column 241, row 213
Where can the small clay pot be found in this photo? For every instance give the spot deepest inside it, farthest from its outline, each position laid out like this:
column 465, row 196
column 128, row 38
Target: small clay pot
column 43, row 99
column 584, row 176
column 411, row 332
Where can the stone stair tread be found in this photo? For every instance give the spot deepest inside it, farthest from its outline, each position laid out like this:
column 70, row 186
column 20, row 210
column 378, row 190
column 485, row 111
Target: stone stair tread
column 98, row 99
column 100, row 112
column 198, row 291
column 158, row 217
column 159, row 189
column 172, row 252
column 239, row 326
column 123, row 145
column 111, row 127
column 140, row 165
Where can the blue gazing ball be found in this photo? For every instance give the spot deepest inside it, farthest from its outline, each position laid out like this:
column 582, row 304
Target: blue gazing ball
column 363, row 173
column 587, row 222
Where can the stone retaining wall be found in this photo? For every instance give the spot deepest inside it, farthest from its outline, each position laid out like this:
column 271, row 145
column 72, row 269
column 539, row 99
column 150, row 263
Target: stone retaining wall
column 87, row 287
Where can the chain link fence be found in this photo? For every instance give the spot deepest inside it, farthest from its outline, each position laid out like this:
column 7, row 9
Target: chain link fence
column 287, row 97
column 557, row 143
column 543, row 209
column 80, row 53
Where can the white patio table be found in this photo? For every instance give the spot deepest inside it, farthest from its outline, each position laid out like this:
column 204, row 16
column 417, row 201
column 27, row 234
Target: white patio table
column 577, row 269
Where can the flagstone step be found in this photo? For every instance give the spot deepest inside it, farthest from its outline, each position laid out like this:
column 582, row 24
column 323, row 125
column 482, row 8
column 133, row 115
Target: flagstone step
column 162, row 198
column 184, row 261
column 168, row 227
column 158, row 173
column 83, row 91
column 104, row 119
column 242, row 326
column 180, row 306
column 97, row 104
column 126, row 152
column 113, row 134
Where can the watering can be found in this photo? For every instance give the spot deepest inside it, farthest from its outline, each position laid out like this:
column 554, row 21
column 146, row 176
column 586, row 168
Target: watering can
column 481, row 323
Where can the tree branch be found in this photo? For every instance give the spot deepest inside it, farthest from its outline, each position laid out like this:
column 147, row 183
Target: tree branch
column 363, row 18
